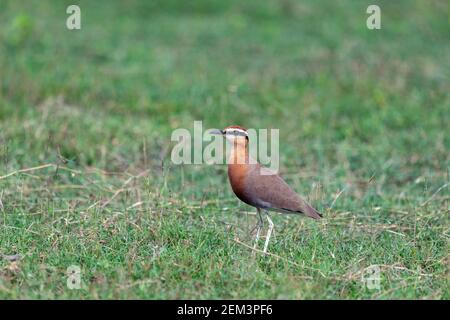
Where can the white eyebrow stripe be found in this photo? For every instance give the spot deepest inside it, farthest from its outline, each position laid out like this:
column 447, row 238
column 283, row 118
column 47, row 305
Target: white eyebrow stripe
column 236, row 130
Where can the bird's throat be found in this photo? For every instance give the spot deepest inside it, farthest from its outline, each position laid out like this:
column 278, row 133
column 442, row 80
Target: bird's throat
column 239, row 154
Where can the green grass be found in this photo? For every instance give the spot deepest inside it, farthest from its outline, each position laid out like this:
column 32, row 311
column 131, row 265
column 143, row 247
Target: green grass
column 362, row 114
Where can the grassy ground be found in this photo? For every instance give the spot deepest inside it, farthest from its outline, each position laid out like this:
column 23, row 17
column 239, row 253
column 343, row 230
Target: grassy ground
column 363, row 118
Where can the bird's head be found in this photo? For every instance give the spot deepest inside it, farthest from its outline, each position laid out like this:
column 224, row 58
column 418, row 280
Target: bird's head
column 234, row 134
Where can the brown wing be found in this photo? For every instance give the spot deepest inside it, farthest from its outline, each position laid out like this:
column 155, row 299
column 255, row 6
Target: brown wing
column 272, row 191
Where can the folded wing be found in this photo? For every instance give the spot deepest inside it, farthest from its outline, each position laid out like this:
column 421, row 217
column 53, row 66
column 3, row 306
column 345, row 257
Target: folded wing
column 272, row 192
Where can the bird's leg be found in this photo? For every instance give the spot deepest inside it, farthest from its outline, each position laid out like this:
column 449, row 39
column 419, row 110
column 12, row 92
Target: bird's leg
column 258, row 227
column 259, row 223
column 269, row 232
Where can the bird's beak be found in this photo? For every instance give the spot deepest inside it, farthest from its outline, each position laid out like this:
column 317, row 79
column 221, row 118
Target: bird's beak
column 216, row 131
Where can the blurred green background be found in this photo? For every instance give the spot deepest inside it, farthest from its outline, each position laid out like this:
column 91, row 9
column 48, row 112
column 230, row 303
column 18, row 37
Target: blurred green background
column 363, row 118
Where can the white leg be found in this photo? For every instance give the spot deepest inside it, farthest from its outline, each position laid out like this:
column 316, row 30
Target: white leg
column 269, row 232
column 258, row 227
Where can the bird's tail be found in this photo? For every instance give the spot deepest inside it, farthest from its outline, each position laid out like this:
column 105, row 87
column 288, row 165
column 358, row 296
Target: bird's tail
column 310, row 211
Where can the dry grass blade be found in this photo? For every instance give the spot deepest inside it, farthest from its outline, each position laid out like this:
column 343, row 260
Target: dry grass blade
column 434, row 194
column 27, row 170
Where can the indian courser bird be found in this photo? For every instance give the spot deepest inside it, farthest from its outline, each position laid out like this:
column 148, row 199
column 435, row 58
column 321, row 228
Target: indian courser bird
column 259, row 186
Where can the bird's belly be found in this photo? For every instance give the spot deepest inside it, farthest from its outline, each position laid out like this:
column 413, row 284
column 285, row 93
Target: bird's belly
column 238, row 177
column 246, row 197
